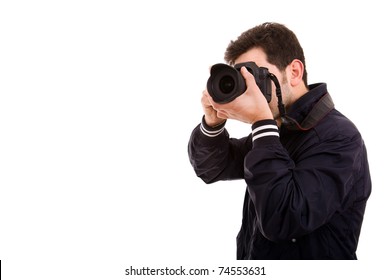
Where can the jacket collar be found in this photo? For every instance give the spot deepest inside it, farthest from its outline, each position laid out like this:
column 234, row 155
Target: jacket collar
column 301, row 108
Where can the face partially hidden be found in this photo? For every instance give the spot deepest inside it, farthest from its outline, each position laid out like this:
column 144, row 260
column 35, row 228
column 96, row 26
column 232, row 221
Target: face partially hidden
column 258, row 56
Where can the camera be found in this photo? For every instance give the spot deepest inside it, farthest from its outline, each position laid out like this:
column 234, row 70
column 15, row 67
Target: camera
column 226, row 82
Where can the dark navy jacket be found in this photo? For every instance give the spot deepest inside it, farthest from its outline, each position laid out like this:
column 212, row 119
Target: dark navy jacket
column 306, row 190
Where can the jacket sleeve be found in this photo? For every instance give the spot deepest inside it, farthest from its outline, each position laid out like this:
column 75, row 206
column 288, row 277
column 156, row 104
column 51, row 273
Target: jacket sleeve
column 293, row 198
column 214, row 155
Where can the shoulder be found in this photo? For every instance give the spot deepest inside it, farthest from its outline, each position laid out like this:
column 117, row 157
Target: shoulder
column 336, row 126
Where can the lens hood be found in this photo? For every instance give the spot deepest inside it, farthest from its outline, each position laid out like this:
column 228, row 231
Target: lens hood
column 225, row 83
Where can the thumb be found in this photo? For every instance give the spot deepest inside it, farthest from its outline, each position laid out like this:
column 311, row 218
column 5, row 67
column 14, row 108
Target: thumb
column 248, row 77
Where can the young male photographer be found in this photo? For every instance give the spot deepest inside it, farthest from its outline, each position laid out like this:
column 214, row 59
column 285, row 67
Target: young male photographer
column 305, row 164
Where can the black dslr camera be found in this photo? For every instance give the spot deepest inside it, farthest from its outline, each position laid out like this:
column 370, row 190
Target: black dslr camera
column 226, row 83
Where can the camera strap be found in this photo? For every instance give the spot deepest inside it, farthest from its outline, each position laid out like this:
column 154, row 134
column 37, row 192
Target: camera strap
column 316, row 114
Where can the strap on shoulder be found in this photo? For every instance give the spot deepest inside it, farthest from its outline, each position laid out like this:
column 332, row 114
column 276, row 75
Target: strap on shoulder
column 317, row 113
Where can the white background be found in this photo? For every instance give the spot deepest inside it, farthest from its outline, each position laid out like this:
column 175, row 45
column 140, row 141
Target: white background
column 97, row 102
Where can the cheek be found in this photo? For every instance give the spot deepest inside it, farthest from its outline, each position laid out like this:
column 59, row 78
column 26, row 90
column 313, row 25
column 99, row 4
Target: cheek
column 273, row 105
column 274, row 101
column 286, row 95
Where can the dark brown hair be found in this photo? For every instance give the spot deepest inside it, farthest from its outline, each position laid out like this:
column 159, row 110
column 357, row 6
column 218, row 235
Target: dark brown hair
column 277, row 41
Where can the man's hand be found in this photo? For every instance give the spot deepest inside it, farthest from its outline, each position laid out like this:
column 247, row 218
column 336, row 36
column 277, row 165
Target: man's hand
column 210, row 113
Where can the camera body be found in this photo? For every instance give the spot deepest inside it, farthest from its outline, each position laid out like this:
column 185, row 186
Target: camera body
column 226, row 82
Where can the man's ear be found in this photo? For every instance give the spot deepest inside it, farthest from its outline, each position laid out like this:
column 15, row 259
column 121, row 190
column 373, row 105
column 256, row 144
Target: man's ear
column 296, row 69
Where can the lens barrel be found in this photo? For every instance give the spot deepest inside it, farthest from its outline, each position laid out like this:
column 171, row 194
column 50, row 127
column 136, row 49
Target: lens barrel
column 225, row 83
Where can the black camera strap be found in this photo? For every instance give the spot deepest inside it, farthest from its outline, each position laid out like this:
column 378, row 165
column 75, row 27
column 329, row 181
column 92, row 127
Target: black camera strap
column 316, row 114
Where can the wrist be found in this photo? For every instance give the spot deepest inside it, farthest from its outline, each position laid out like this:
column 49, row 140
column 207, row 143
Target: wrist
column 213, row 122
column 260, row 118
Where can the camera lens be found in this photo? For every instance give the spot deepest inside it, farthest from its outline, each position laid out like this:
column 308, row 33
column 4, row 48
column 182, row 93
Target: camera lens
column 226, row 84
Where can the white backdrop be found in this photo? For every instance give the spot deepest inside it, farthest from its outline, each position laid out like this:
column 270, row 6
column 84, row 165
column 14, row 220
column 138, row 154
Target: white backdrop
column 97, row 102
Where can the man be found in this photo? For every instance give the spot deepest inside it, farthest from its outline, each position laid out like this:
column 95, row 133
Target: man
column 306, row 168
